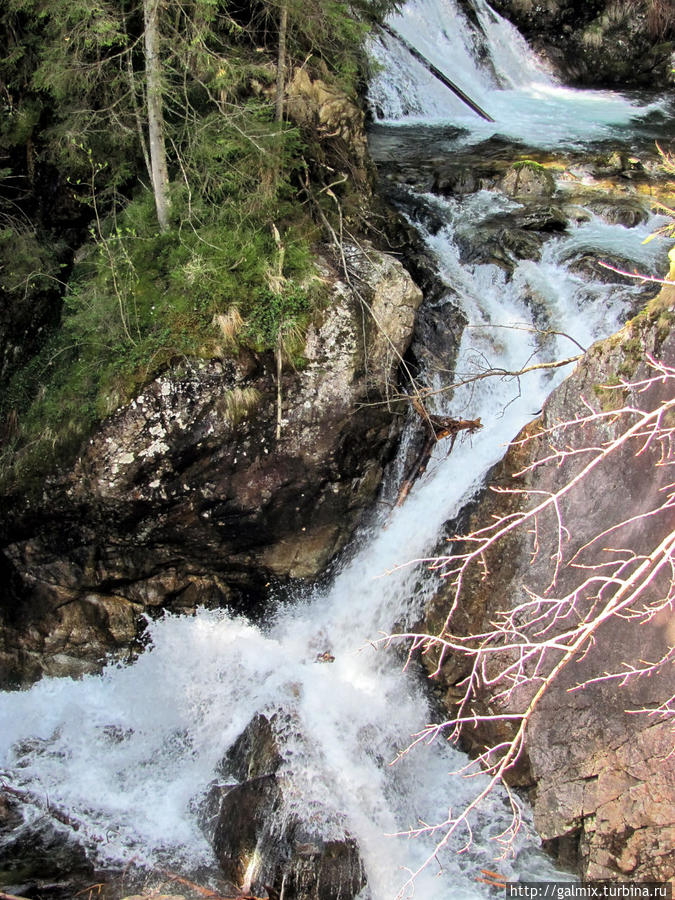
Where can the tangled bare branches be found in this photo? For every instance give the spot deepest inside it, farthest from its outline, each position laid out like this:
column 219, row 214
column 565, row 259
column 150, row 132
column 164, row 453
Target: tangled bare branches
column 588, row 570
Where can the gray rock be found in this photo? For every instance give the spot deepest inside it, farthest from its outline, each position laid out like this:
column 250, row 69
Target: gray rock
column 528, row 179
column 627, row 211
column 603, row 778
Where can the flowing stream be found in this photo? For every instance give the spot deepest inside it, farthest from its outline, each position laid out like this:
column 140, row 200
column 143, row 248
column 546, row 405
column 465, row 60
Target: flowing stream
column 130, row 753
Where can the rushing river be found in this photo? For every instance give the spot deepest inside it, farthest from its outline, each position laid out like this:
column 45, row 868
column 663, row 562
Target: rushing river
column 129, row 754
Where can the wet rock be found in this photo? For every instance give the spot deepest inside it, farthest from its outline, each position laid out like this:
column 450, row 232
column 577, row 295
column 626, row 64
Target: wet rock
column 36, row 856
column 507, row 237
column 494, row 244
column 255, row 753
column 10, row 817
column 588, row 266
column 423, row 211
column 603, row 777
column 528, row 179
column 540, row 310
column 591, row 268
column 263, row 846
column 260, row 848
column 577, row 213
column 519, row 244
column 250, row 855
column 599, row 42
column 324, row 869
column 457, row 182
column 546, row 218
column 628, row 212
column 436, row 342
column 186, row 497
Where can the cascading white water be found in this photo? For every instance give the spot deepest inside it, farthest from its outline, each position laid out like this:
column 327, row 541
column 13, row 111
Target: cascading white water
column 512, row 86
column 130, row 753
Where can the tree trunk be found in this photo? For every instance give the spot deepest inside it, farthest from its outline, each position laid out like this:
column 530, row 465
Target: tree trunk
column 281, row 63
column 160, row 174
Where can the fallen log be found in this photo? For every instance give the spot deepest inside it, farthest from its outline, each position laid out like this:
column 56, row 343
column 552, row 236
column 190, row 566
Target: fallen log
column 42, row 803
column 437, row 428
column 441, row 76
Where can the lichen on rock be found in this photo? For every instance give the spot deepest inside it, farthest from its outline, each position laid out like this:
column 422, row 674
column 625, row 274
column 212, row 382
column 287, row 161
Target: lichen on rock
column 185, row 497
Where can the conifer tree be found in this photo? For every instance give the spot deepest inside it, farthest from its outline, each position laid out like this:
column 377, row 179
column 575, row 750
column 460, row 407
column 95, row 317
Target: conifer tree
column 155, row 112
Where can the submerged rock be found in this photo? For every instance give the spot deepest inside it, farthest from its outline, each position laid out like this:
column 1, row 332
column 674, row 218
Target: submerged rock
column 627, row 211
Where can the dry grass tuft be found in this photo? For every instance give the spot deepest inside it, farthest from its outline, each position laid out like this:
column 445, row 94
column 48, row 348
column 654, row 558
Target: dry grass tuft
column 230, row 325
column 661, row 19
column 239, row 402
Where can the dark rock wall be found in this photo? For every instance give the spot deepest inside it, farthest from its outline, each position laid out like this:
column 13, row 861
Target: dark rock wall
column 600, row 42
column 186, row 497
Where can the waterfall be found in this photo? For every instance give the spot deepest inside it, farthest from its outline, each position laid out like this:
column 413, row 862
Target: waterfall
column 499, row 71
column 130, row 753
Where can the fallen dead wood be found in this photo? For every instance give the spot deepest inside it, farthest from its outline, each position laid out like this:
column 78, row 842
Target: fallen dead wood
column 436, row 72
column 42, row 803
column 437, row 428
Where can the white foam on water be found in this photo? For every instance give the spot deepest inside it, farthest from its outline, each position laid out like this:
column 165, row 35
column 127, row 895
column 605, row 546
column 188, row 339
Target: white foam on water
column 511, row 85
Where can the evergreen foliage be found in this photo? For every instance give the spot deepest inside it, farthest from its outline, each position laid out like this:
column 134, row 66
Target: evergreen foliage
column 79, row 234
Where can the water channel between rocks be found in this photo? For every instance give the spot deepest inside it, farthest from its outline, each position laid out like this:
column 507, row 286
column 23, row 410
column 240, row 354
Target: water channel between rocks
column 129, row 755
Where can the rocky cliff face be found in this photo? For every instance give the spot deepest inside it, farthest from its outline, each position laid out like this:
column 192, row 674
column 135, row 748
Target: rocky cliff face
column 597, row 42
column 186, row 497
column 602, row 774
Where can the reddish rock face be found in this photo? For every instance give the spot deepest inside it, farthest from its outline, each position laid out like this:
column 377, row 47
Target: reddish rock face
column 603, row 775
column 186, row 497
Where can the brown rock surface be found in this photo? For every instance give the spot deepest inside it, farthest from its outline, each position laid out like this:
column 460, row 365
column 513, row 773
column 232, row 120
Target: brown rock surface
column 332, row 116
column 603, row 777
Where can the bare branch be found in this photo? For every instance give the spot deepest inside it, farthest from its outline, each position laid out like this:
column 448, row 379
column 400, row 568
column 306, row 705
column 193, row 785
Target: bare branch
column 521, row 652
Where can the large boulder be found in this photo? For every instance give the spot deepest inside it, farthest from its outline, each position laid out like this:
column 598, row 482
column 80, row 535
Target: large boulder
column 261, row 844
column 186, row 496
column 602, row 773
